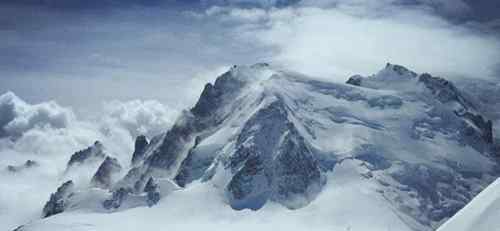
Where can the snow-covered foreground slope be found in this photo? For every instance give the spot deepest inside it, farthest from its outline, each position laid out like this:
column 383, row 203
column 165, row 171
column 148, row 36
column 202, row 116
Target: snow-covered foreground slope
column 351, row 203
column 481, row 214
column 266, row 148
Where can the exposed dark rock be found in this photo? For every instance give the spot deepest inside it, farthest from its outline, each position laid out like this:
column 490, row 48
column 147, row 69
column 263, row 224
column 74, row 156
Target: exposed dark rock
column 193, row 166
column 440, row 192
column 152, row 191
column 371, row 155
column 296, row 172
column 26, row 165
column 141, row 183
column 103, row 178
column 173, row 144
column 486, row 126
column 385, row 101
column 141, row 143
column 200, row 117
column 94, row 152
column 213, row 96
column 355, row 80
column 118, row 197
column 401, row 70
column 272, row 167
column 58, row 201
column 445, row 91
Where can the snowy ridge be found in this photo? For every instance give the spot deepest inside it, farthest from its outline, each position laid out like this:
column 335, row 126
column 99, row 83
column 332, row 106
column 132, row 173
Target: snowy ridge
column 409, row 146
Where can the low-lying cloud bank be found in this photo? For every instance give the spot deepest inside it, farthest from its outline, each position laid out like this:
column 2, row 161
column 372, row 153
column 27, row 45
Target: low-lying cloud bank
column 137, row 117
column 17, row 116
column 49, row 134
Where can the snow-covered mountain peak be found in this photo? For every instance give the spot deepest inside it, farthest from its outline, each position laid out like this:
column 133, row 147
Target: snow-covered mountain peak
column 392, row 76
column 253, row 73
column 260, row 136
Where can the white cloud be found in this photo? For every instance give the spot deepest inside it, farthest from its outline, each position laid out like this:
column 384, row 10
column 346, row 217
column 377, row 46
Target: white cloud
column 49, row 134
column 231, row 14
column 18, row 117
column 342, row 38
column 148, row 117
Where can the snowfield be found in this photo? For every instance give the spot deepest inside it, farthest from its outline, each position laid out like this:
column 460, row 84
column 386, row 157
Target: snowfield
column 201, row 207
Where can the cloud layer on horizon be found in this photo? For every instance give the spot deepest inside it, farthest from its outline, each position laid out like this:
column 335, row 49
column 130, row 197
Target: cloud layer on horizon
column 131, row 51
column 355, row 37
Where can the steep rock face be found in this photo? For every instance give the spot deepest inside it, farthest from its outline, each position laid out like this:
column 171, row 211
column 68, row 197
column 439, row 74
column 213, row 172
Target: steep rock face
column 90, row 154
column 272, row 161
column 168, row 151
column 141, row 143
column 152, row 192
column 58, row 201
column 106, row 173
column 116, row 200
column 445, row 92
column 193, row 166
column 204, row 115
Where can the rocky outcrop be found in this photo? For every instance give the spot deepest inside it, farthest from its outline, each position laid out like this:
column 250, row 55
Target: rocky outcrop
column 213, row 96
column 355, row 80
column 205, row 114
column 193, row 166
column 141, row 143
column 118, row 197
column 28, row 164
column 445, row 91
column 152, row 192
column 58, row 201
column 106, row 173
column 92, row 153
column 272, row 162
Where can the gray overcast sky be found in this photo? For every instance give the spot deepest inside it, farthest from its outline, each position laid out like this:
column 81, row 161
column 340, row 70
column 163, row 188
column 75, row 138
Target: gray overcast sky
column 81, row 53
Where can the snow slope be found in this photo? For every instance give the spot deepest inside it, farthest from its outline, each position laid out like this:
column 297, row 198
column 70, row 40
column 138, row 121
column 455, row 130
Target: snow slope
column 200, row 207
column 481, row 214
column 265, row 148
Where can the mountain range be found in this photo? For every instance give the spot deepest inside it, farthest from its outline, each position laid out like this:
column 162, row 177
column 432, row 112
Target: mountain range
column 396, row 150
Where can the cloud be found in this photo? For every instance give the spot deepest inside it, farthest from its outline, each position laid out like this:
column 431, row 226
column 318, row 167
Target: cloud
column 49, row 134
column 352, row 37
column 148, row 117
column 17, row 116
